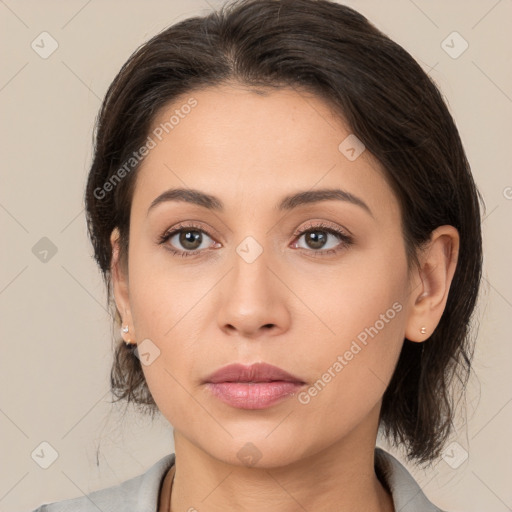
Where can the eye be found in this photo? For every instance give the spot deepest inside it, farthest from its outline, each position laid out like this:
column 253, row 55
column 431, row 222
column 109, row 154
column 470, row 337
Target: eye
column 191, row 239
column 323, row 239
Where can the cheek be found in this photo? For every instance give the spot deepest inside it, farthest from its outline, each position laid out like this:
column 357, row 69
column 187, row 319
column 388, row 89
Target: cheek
column 167, row 308
column 363, row 308
column 163, row 296
column 363, row 295
column 349, row 376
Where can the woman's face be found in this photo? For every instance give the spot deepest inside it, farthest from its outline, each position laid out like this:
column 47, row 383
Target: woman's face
column 269, row 279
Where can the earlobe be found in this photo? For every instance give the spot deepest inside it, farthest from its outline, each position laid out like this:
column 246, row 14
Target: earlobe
column 120, row 288
column 438, row 261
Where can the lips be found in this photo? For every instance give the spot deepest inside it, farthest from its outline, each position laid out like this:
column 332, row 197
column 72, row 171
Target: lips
column 257, row 386
column 258, row 372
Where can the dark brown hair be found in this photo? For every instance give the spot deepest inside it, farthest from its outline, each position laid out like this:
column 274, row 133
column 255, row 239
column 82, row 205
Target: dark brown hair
column 388, row 102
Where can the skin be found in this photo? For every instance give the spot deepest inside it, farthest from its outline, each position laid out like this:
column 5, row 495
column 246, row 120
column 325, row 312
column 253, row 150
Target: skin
column 290, row 307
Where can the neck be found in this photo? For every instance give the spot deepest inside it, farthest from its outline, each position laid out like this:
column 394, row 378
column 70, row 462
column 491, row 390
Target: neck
column 341, row 476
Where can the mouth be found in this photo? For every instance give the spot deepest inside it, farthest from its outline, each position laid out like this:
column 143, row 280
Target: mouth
column 257, row 386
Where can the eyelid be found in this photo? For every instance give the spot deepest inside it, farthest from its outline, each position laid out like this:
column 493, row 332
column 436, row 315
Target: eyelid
column 182, row 226
column 323, row 224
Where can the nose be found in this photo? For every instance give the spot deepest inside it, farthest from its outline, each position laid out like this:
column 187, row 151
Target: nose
column 253, row 300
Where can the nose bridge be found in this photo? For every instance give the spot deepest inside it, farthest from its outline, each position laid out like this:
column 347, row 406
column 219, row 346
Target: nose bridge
column 251, row 276
column 252, row 298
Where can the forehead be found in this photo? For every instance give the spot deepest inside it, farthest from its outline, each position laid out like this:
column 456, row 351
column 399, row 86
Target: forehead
column 250, row 147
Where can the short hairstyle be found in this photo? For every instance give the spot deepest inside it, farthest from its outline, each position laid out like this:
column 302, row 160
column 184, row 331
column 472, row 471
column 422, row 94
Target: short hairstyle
column 386, row 100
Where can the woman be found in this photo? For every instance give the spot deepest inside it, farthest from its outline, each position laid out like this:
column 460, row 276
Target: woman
column 284, row 215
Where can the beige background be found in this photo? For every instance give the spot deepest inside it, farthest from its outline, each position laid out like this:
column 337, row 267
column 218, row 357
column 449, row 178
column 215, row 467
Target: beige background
column 55, row 331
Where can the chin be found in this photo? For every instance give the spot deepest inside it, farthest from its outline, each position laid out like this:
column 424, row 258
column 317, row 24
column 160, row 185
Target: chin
column 256, row 450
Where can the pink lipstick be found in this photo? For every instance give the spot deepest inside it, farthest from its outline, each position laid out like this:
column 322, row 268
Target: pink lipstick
column 257, row 386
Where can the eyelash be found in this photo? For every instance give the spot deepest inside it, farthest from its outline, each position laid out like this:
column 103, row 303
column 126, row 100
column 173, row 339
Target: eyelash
column 346, row 240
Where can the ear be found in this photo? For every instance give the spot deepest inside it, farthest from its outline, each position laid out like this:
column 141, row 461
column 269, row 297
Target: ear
column 119, row 276
column 438, row 260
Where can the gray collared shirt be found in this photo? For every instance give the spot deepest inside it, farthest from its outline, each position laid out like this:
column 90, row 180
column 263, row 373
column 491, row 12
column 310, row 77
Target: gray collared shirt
column 141, row 493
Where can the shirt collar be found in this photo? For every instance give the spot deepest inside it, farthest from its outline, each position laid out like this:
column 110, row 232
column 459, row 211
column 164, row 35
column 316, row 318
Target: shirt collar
column 143, row 491
column 407, row 494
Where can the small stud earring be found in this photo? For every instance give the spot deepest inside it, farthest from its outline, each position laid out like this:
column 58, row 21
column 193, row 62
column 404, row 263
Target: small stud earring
column 127, row 343
column 423, row 330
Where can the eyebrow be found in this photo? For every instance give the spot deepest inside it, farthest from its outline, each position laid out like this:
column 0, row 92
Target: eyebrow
column 288, row 203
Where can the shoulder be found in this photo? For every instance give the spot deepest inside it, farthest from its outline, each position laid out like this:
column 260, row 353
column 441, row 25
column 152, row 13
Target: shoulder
column 138, row 494
column 407, row 494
